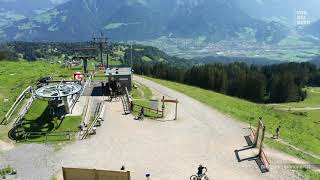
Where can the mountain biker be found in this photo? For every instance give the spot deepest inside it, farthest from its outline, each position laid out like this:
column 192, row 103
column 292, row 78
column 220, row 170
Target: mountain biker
column 200, row 170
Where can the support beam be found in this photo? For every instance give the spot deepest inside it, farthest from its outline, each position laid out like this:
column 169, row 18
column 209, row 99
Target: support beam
column 66, row 104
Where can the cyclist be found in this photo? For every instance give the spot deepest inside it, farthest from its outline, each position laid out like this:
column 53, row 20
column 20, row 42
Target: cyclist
column 200, row 170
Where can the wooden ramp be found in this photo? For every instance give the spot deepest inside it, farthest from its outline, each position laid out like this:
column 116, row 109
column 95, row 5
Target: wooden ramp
column 94, row 174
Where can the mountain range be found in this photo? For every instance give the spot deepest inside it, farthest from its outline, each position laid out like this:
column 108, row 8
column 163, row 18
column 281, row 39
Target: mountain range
column 313, row 29
column 124, row 20
column 14, row 10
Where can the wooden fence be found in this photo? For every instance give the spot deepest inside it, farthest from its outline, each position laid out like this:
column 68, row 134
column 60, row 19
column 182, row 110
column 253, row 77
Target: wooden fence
column 149, row 109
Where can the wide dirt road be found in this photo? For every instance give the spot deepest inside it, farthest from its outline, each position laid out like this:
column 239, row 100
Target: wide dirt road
column 203, row 135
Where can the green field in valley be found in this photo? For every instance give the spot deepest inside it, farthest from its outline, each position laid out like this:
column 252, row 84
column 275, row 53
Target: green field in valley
column 299, row 130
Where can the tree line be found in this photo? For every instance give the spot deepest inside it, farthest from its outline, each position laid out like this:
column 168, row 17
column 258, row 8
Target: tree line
column 276, row 83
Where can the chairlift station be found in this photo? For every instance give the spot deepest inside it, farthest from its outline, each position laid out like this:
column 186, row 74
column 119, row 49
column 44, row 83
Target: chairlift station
column 122, row 75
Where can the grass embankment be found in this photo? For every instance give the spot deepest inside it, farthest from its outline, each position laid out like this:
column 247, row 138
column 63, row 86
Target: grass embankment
column 39, row 120
column 141, row 95
column 299, row 130
column 16, row 76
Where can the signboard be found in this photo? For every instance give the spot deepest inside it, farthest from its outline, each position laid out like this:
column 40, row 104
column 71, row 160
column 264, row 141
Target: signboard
column 78, row 76
column 154, row 104
column 123, row 79
column 93, row 174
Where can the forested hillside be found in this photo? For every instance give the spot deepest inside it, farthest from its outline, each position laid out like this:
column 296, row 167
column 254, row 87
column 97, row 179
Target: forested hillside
column 269, row 83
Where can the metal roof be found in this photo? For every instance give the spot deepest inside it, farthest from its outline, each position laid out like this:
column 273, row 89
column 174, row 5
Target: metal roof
column 119, row 71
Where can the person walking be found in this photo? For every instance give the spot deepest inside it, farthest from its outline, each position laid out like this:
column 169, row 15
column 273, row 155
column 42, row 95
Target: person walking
column 277, row 135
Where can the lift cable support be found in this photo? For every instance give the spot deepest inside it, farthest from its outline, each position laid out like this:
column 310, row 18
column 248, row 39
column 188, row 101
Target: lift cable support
column 101, row 42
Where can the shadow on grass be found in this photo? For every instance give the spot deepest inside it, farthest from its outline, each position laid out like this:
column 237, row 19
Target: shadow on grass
column 38, row 127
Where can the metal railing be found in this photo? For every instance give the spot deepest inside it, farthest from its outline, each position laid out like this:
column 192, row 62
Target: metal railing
column 87, row 83
column 93, row 123
column 68, row 134
column 15, row 105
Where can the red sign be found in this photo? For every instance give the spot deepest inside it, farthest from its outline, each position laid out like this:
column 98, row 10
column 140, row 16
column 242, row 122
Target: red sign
column 78, row 76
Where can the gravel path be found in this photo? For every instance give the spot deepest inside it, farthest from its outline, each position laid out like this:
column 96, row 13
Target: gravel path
column 169, row 150
column 32, row 161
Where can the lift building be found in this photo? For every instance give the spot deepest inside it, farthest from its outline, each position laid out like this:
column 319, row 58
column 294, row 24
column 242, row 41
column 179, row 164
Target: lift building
column 123, row 75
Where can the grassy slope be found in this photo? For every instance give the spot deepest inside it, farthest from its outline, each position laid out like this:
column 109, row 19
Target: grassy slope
column 297, row 130
column 16, row 76
column 312, row 100
column 38, row 120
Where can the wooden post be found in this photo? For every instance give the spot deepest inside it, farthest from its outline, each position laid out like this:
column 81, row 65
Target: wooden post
column 64, row 173
column 257, row 135
column 129, row 177
column 176, row 115
column 261, row 142
column 163, row 107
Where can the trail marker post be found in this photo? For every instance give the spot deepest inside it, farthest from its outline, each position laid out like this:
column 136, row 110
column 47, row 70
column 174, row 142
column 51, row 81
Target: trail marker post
column 170, row 101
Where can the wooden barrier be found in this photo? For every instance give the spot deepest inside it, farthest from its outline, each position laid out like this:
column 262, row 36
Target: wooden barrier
column 254, row 136
column 163, row 100
column 147, row 108
column 93, row 174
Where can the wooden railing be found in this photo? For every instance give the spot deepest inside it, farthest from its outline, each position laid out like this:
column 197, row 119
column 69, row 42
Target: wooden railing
column 150, row 109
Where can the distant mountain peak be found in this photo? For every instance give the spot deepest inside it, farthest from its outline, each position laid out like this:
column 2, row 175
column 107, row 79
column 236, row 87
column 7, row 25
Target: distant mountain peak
column 124, row 20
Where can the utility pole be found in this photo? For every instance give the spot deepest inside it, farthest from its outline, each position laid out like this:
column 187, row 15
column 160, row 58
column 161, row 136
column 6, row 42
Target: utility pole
column 85, row 56
column 131, row 57
column 101, row 42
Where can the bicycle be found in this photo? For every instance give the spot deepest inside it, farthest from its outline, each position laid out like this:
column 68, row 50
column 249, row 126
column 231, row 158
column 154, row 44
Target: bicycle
column 203, row 176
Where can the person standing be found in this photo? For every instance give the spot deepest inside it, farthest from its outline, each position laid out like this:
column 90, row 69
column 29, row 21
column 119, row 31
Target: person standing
column 277, row 135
